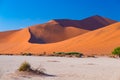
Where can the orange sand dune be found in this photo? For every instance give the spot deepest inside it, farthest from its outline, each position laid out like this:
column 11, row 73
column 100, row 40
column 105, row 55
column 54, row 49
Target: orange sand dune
column 47, row 33
column 13, row 39
column 101, row 41
column 90, row 23
column 64, row 35
column 15, row 36
column 4, row 36
column 62, row 29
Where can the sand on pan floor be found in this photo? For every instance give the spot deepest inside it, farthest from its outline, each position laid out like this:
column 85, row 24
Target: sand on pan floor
column 62, row 68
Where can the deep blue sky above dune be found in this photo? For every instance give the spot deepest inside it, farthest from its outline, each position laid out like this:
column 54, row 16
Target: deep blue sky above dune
column 15, row 14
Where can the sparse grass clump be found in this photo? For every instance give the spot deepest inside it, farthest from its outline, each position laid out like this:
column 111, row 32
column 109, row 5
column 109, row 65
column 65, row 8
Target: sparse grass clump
column 116, row 51
column 26, row 54
column 69, row 54
column 59, row 54
column 76, row 54
column 25, row 66
column 93, row 56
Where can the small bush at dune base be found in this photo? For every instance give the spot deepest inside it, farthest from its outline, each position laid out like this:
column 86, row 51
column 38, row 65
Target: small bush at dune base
column 116, row 51
column 25, row 66
column 26, row 54
column 59, row 54
column 70, row 54
column 76, row 54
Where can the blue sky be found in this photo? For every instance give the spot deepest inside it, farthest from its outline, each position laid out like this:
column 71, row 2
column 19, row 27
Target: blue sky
column 15, row 14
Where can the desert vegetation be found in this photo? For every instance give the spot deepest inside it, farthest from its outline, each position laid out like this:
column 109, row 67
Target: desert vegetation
column 69, row 54
column 26, row 54
column 26, row 67
column 61, row 54
column 116, row 51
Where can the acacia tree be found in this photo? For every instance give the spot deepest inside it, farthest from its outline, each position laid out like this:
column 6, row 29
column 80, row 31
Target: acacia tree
column 116, row 51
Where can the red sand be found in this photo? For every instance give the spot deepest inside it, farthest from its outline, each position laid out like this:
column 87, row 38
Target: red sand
column 57, row 38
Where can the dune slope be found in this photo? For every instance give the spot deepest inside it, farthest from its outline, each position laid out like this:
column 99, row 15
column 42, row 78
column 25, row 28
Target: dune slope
column 50, row 33
column 59, row 37
column 99, row 42
column 62, row 29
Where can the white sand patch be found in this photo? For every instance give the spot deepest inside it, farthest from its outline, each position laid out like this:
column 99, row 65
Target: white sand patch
column 62, row 68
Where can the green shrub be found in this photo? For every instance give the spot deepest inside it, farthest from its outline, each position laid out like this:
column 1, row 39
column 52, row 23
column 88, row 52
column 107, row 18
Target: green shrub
column 76, row 54
column 72, row 53
column 59, row 54
column 26, row 54
column 116, row 51
column 25, row 66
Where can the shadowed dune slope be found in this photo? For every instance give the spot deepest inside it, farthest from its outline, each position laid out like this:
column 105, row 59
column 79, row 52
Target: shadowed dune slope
column 62, row 29
column 99, row 42
column 64, row 35
column 90, row 23
column 50, row 33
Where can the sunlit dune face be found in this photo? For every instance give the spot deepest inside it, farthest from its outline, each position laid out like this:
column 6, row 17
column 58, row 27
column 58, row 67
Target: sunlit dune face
column 56, row 37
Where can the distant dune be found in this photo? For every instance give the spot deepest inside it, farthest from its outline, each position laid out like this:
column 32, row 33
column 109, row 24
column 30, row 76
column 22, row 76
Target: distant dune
column 95, row 35
column 98, row 42
column 4, row 36
column 50, row 33
column 62, row 29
